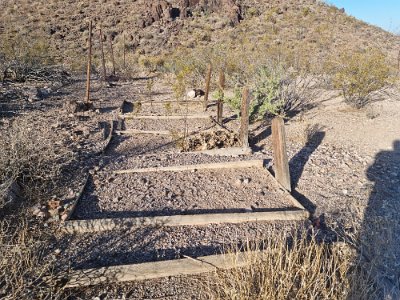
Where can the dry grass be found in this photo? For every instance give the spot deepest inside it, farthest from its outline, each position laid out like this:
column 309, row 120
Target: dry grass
column 298, row 267
column 25, row 268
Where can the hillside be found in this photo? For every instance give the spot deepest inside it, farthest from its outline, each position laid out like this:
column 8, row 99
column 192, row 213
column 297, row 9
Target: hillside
column 308, row 29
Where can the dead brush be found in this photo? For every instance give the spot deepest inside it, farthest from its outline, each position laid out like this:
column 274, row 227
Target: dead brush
column 26, row 272
column 32, row 154
column 298, row 267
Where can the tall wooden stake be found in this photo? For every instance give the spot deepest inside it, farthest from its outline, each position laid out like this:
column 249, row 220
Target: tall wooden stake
column 124, row 53
column 220, row 107
column 244, row 118
column 398, row 64
column 281, row 165
column 207, row 90
column 89, row 64
column 112, row 55
column 103, row 61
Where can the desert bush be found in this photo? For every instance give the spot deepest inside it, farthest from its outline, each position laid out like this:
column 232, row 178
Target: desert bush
column 360, row 74
column 276, row 91
column 21, row 55
column 297, row 266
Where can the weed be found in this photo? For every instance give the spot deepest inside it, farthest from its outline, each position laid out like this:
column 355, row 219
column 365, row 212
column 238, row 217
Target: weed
column 294, row 267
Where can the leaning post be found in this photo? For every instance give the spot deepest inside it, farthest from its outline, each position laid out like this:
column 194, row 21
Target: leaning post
column 244, row 118
column 281, row 164
column 89, row 65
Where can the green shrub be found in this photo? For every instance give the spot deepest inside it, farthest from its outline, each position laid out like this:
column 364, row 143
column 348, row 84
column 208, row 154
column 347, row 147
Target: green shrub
column 360, row 74
column 267, row 98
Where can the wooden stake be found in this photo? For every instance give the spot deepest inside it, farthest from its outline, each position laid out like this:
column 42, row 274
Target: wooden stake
column 207, row 89
column 103, row 61
column 89, row 64
column 281, row 165
column 244, row 118
column 112, row 55
column 398, row 63
column 220, row 105
column 124, row 53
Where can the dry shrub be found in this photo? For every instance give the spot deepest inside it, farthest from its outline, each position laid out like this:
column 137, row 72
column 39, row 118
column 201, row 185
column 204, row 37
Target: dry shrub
column 31, row 155
column 26, row 272
column 360, row 74
column 299, row 267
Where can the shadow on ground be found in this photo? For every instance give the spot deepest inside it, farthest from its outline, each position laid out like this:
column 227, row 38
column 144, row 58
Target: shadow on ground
column 379, row 237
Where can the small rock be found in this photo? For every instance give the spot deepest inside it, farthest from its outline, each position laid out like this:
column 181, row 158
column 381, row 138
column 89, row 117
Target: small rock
column 64, row 217
column 57, row 251
column 42, row 215
column 345, row 192
column 238, row 182
column 54, row 204
column 53, row 212
column 191, row 94
column 246, row 180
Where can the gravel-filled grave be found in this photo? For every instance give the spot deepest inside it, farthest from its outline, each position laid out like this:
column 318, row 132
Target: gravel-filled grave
column 170, row 193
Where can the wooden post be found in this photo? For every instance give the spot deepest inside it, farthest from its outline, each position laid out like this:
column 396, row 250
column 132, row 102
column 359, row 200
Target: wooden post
column 244, row 118
column 398, row 63
column 281, row 165
column 207, row 90
column 124, row 53
column 103, row 61
column 89, row 65
column 220, row 107
column 112, row 55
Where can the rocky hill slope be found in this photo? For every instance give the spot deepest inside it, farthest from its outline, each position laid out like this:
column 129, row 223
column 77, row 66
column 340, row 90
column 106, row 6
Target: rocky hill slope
column 308, row 28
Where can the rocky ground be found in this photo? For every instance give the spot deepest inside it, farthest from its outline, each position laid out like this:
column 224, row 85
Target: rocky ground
column 344, row 164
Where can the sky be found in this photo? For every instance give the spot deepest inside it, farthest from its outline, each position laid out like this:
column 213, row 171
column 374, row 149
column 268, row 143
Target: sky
column 383, row 13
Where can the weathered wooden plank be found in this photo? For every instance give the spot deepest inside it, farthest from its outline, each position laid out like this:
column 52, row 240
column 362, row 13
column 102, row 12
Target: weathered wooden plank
column 232, row 151
column 72, row 209
column 135, row 131
column 179, row 102
column 244, row 118
column 281, row 164
column 160, row 269
column 99, row 225
column 181, row 117
column 109, row 138
column 224, row 165
column 287, row 194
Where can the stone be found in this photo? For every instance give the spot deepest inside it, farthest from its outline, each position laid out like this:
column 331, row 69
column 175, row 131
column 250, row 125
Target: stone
column 42, row 215
column 191, row 94
column 238, row 182
column 64, row 217
column 54, row 204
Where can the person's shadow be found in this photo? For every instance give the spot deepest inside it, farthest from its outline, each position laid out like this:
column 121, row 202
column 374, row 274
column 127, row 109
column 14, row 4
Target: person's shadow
column 379, row 239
